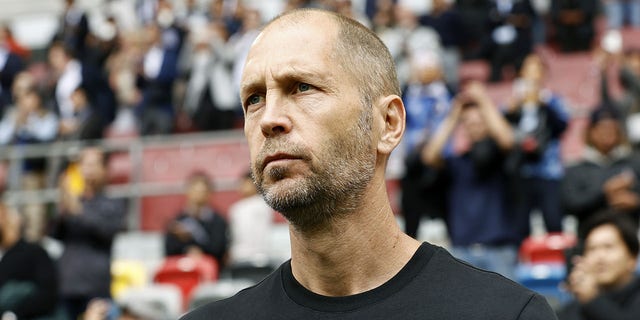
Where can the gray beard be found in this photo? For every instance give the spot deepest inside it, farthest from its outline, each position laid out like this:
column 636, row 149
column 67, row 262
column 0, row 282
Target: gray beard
column 333, row 190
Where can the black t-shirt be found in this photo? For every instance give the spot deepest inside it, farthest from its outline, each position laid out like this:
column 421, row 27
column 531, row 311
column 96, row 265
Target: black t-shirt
column 432, row 285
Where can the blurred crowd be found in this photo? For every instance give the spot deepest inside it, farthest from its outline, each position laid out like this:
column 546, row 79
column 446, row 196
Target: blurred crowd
column 157, row 67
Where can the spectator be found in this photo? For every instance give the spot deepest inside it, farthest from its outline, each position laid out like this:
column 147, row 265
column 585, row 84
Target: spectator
column 445, row 20
column 28, row 285
column 11, row 64
column 87, row 222
column 603, row 279
column 210, row 98
column 198, row 228
column 539, row 118
column 86, row 123
column 607, row 175
column 509, row 38
column 573, row 21
column 74, row 29
column 629, row 75
column 68, row 72
column 621, row 12
column 158, row 73
column 251, row 220
column 478, row 219
column 427, row 103
column 29, row 122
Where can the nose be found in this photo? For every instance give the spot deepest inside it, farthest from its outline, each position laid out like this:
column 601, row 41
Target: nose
column 275, row 119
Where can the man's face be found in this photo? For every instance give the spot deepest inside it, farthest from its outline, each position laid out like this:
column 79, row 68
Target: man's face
column 92, row 167
column 198, row 192
column 605, row 135
column 611, row 262
column 308, row 132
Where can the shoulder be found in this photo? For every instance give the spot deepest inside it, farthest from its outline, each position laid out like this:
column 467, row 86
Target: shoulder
column 250, row 303
column 477, row 290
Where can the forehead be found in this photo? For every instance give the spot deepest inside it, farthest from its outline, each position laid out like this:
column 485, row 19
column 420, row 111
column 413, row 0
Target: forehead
column 604, row 234
column 294, row 44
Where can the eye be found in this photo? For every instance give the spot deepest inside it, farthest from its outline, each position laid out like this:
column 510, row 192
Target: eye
column 254, row 99
column 302, row 87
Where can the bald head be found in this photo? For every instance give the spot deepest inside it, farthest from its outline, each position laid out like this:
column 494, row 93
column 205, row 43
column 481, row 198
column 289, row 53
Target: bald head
column 356, row 49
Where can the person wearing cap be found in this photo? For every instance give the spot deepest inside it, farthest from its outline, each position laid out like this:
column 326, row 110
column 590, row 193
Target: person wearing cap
column 607, row 174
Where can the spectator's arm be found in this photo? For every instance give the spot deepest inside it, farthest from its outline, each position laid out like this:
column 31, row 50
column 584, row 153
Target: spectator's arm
column 580, row 195
column 432, row 152
column 499, row 128
column 557, row 117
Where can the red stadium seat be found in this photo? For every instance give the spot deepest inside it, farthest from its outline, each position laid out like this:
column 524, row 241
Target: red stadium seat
column 187, row 272
column 546, row 249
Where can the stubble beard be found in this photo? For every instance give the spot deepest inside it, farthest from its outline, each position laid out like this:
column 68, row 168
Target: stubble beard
column 333, row 189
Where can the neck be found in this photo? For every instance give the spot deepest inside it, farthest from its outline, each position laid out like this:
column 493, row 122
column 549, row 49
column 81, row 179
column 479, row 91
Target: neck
column 358, row 253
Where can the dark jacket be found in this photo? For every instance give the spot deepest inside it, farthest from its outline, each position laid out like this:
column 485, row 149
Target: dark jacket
column 28, row 282
column 623, row 304
column 86, row 262
column 209, row 233
column 582, row 185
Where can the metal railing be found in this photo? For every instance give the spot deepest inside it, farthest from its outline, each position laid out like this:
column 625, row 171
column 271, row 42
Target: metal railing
column 133, row 189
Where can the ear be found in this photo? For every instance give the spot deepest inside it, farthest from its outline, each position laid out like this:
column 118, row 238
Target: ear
column 393, row 115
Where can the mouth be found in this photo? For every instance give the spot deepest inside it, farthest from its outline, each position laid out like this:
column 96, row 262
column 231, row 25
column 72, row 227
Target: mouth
column 278, row 157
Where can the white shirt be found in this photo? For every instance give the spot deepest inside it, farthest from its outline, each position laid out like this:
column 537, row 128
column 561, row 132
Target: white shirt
column 251, row 220
column 69, row 81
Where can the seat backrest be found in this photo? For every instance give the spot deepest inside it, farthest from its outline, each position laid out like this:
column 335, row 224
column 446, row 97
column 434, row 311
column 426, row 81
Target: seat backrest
column 187, row 272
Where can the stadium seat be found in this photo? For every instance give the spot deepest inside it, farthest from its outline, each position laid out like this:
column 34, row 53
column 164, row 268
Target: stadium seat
column 187, row 272
column 545, row 279
column 547, row 248
column 214, row 291
column 127, row 274
column 165, row 298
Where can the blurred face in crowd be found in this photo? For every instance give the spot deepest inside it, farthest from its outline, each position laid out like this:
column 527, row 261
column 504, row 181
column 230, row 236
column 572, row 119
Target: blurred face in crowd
column 309, row 133
column 22, row 83
column 58, row 58
column 93, row 168
column 29, row 102
column 198, row 192
column 611, row 261
column 605, row 135
column 473, row 124
column 533, row 69
column 9, row 224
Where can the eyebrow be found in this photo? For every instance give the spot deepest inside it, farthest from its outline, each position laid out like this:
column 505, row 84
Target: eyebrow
column 312, row 75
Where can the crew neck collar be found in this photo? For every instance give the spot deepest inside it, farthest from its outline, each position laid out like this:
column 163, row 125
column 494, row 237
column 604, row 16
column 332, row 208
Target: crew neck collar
column 306, row 298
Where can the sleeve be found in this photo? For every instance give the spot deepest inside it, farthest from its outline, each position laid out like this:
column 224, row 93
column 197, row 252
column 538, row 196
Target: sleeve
column 172, row 245
column 43, row 301
column 7, row 129
column 579, row 195
column 537, row 309
column 602, row 308
column 557, row 118
column 218, row 239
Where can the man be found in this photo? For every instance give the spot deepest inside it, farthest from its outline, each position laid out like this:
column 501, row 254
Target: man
column 28, row 286
column 198, row 229
column 322, row 114
column 607, row 175
column 478, row 219
column 87, row 222
column 603, row 279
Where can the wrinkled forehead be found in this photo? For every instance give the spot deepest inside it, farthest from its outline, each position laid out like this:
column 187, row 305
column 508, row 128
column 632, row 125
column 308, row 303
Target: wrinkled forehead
column 308, row 34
